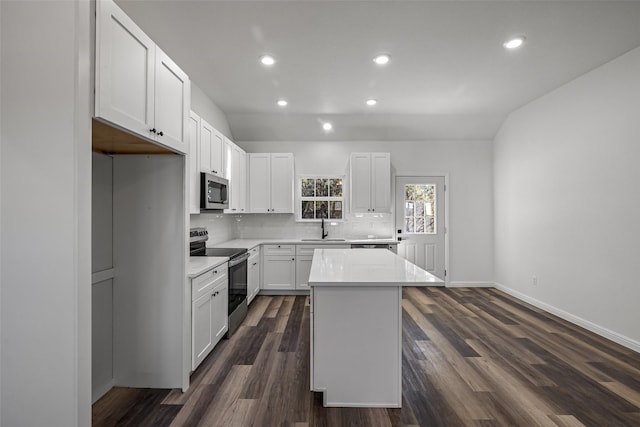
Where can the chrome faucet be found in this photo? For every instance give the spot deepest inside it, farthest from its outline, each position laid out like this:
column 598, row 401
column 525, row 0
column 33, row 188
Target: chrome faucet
column 323, row 233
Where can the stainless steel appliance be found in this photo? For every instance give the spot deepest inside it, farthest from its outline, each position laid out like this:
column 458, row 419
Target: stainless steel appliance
column 214, row 192
column 237, row 306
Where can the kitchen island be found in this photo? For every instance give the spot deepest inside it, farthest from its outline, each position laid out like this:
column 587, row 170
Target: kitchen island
column 356, row 325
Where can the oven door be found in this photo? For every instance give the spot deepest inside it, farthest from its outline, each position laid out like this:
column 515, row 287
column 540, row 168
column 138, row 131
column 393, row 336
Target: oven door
column 237, row 281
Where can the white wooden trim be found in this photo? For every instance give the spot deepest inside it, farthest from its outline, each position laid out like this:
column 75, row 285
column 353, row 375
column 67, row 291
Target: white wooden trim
column 597, row 329
column 101, row 276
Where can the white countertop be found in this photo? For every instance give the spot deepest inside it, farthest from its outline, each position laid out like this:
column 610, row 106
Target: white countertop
column 365, row 267
column 201, row 264
column 251, row 243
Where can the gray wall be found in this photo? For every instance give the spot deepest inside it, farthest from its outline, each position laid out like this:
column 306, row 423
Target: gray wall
column 45, row 200
column 203, row 106
column 469, row 165
column 566, row 200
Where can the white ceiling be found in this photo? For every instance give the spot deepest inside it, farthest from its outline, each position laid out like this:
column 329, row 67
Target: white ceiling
column 449, row 78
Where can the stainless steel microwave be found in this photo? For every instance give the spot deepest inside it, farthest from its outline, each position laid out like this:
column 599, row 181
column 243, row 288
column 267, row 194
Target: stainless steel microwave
column 214, row 192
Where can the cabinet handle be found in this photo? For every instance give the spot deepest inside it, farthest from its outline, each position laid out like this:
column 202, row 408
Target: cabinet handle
column 293, row 259
column 152, row 130
column 214, row 171
column 254, row 263
column 373, row 210
column 233, row 209
column 160, row 133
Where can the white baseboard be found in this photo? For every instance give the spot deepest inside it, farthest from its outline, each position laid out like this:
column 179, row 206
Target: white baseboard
column 597, row 329
column 101, row 390
column 470, row 285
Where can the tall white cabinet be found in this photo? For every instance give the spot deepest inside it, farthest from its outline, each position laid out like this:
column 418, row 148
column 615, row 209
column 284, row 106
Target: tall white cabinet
column 370, row 182
column 235, row 159
column 271, row 182
column 138, row 87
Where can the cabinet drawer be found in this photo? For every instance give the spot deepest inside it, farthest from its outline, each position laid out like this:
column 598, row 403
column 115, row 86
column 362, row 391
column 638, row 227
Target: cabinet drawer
column 308, row 249
column 279, row 249
column 254, row 252
column 202, row 283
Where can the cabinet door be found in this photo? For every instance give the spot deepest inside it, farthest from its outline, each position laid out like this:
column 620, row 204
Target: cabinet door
column 172, row 103
column 194, row 163
column 360, row 182
column 206, row 136
column 279, row 272
column 381, row 182
column 125, row 61
column 233, row 166
column 253, row 278
column 303, row 268
column 242, row 203
column 282, row 182
column 259, row 182
column 220, row 317
column 217, row 153
column 201, row 328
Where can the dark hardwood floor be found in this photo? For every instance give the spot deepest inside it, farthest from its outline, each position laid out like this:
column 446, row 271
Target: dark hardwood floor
column 471, row 357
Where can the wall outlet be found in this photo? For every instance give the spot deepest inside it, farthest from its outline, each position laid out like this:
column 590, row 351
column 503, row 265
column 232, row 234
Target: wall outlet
column 534, row 280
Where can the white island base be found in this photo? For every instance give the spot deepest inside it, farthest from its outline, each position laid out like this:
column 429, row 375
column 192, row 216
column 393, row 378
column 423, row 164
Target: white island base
column 356, row 325
column 356, row 345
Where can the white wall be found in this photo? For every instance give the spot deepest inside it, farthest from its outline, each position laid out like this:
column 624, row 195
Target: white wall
column 468, row 163
column 46, row 207
column 208, row 110
column 566, row 199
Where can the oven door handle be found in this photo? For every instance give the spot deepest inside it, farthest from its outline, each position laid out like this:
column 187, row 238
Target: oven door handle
column 239, row 260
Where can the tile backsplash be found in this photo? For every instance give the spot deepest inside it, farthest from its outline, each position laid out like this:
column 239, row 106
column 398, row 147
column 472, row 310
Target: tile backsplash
column 273, row 226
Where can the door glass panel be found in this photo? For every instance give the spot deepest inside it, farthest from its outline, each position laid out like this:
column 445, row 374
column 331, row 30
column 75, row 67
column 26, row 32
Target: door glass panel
column 419, row 212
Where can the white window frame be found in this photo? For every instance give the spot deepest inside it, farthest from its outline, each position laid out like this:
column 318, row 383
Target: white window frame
column 299, row 197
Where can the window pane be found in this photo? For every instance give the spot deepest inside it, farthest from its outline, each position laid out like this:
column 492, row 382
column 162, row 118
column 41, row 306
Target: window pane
column 307, row 187
column 408, row 208
column 335, row 189
column 321, row 209
column 408, row 225
column 420, row 207
column 307, row 209
column 335, row 210
column 322, row 187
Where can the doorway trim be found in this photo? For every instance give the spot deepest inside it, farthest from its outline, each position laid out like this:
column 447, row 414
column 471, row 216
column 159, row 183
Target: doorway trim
column 444, row 175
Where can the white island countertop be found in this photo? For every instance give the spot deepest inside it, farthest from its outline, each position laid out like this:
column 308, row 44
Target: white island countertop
column 366, row 267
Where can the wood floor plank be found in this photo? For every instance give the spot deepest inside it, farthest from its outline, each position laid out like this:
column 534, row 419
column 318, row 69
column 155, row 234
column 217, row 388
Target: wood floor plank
column 471, row 357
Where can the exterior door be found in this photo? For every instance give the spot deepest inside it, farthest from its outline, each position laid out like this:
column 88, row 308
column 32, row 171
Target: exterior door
column 420, row 221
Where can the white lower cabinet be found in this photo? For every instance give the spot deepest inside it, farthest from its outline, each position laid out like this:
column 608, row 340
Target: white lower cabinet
column 209, row 320
column 303, row 268
column 253, row 274
column 279, row 267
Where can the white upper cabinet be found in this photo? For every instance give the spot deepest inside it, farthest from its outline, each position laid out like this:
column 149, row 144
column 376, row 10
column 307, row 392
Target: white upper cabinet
column 138, row 87
column 259, row 182
column 271, row 182
column 194, row 163
column 234, row 157
column 211, row 150
column 172, row 103
column 370, row 182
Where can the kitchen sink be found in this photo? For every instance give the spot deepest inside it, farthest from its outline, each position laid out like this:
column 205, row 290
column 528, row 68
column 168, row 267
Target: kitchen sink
column 323, row 240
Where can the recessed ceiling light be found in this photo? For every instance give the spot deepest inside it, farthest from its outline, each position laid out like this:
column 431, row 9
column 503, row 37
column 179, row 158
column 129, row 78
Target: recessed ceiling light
column 372, row 102
column 514, row 43
column 327, row 126
column 267, row 60
column 282, row 102
column 382, row 59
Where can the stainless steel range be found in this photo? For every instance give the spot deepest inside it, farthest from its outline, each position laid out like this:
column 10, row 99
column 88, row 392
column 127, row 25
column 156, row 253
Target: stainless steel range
column 237, row 274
